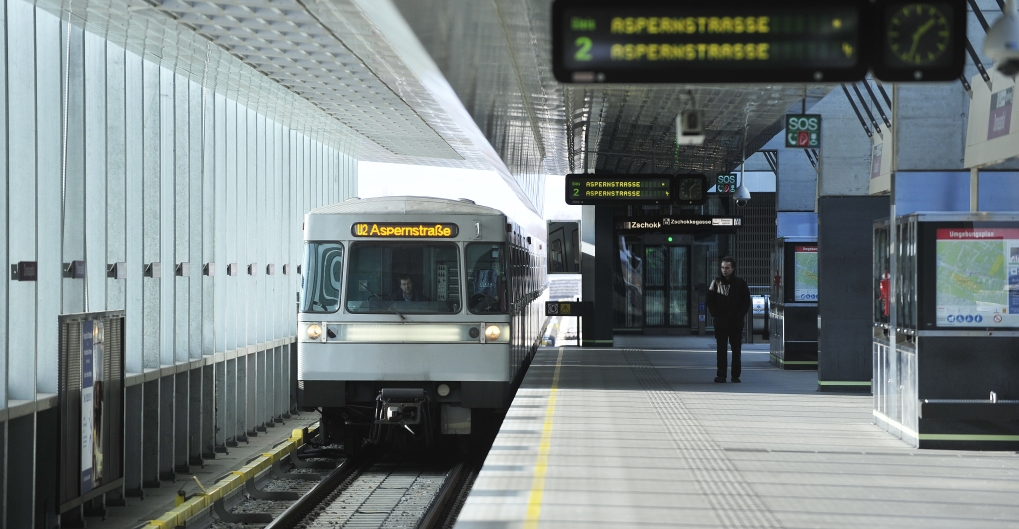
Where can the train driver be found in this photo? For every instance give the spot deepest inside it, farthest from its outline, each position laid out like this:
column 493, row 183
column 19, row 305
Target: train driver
column 407, row 291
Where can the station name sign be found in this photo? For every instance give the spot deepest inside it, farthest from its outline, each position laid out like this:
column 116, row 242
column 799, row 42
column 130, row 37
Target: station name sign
column 627, row 189
column 387, row 230
column 672, row 223
column 651, row 41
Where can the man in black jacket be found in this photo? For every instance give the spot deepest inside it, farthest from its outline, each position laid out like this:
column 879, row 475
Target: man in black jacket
column 729, row 302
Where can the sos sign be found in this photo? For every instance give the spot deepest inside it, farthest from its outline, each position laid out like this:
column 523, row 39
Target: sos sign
column 725, row 183
column 802, row 131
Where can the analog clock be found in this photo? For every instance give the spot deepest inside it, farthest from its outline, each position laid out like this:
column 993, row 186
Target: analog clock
column 691, row 189
column 919, row 34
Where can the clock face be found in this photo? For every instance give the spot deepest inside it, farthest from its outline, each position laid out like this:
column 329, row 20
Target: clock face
column 691, row 189
column 919, row 34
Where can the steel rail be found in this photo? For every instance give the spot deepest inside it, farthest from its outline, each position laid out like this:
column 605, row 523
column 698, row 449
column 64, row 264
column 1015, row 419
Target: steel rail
column 337, row 480
column 452, row 485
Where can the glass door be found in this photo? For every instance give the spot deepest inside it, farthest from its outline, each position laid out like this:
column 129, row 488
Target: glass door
column 679, row 286
column 655, row 285
column 667, row 286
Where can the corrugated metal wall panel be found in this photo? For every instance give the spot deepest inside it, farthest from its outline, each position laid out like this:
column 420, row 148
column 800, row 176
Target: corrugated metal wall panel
column 138, row 164
column 4, row 349
column 754, row 242
column 21, row 200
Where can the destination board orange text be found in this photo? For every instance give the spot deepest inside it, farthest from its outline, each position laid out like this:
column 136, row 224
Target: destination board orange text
column 366, row 229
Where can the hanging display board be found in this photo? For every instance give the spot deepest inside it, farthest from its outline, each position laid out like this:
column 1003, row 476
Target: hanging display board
column 629, row 189
column 785, row 41
column 992, row 133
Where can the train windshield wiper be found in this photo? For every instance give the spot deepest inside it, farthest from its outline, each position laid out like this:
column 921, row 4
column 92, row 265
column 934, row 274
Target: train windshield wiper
column 387, row 304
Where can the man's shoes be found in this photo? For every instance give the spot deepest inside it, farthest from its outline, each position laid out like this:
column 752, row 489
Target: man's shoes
column 735, row 379
column 722, row 380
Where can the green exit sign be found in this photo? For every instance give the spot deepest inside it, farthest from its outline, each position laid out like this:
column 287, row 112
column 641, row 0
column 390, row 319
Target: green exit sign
column 803, row 131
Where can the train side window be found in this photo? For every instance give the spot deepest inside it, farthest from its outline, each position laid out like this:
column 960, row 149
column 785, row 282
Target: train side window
column 322, row 277
column 486, row 278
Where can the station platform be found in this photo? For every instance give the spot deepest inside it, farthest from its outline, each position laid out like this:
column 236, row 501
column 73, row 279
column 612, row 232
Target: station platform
column 641, row 436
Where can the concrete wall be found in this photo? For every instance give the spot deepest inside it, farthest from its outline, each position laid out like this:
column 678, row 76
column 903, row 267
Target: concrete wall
column 796, row 180
column 844, row 168
column 136, row 163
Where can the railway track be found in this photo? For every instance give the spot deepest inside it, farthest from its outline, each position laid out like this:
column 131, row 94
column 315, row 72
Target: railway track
column 375, row 490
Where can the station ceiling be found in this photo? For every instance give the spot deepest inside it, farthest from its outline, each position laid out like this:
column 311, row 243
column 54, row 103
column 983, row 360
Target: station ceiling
column 351, row 72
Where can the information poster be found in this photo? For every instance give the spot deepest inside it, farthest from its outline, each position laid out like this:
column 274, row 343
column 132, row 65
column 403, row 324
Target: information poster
column 87, row 398
column 978, row 277
column 805, row 275
column 91, row 404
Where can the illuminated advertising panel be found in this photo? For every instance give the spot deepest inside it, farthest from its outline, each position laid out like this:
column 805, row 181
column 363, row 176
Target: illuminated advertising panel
column 805, row 274
column 977, row 277
column 406, row 230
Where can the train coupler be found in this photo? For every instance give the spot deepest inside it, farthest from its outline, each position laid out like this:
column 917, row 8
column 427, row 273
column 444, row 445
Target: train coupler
column 400, row 406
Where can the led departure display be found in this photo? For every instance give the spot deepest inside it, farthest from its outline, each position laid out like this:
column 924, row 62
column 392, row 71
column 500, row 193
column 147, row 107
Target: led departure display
column 644, row 41
column 584, row 189
column 649, row 41
column 618, row 189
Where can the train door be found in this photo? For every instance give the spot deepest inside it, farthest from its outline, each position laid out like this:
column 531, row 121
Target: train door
column 666, row 286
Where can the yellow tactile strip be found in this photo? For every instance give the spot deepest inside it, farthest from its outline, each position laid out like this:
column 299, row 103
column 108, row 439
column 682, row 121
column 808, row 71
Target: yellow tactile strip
column 194, row 506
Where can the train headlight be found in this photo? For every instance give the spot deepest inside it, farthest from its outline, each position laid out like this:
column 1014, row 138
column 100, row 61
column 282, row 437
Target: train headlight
column 492, row 333
column 314, row 331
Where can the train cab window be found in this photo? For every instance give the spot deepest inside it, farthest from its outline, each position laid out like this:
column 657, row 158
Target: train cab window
column 322, row 278
column 404, row 277
column 486, row 278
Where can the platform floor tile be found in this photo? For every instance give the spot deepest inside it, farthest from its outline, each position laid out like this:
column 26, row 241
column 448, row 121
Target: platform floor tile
column 641, row 437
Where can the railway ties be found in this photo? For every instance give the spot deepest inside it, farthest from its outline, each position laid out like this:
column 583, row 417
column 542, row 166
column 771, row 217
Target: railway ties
column 377, row 491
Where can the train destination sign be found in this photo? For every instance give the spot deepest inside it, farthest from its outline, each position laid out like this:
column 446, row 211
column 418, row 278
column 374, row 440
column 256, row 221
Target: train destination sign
column 586, row 189
column 648, row 41
column 388, row 230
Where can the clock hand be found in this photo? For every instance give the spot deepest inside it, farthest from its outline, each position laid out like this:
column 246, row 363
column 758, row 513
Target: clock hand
column 919, row 33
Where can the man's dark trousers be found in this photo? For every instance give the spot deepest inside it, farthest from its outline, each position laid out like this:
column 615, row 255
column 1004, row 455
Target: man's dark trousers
column 734, row 337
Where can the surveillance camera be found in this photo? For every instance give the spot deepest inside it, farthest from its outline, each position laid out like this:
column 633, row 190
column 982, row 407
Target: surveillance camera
column 1002, row 42
column 742, row 196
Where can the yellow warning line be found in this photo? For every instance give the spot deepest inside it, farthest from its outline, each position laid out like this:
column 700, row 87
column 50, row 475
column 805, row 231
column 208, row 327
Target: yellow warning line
column 197, row 504
column 541, row 466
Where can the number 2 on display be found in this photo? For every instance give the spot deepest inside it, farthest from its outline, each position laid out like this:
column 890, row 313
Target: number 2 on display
column 584, row 45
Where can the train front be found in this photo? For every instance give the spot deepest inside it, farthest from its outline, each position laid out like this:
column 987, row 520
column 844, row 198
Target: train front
column 404, row 327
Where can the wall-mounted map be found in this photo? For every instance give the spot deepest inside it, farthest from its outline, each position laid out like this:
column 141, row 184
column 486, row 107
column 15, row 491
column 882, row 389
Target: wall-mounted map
column 977, row 277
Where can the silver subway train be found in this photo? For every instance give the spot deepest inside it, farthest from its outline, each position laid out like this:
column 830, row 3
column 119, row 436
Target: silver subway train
column 417, row 317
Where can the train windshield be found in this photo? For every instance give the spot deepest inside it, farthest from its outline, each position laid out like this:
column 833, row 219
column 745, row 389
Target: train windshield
column 322, row 278
column 404, row 277
column 486, row 278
